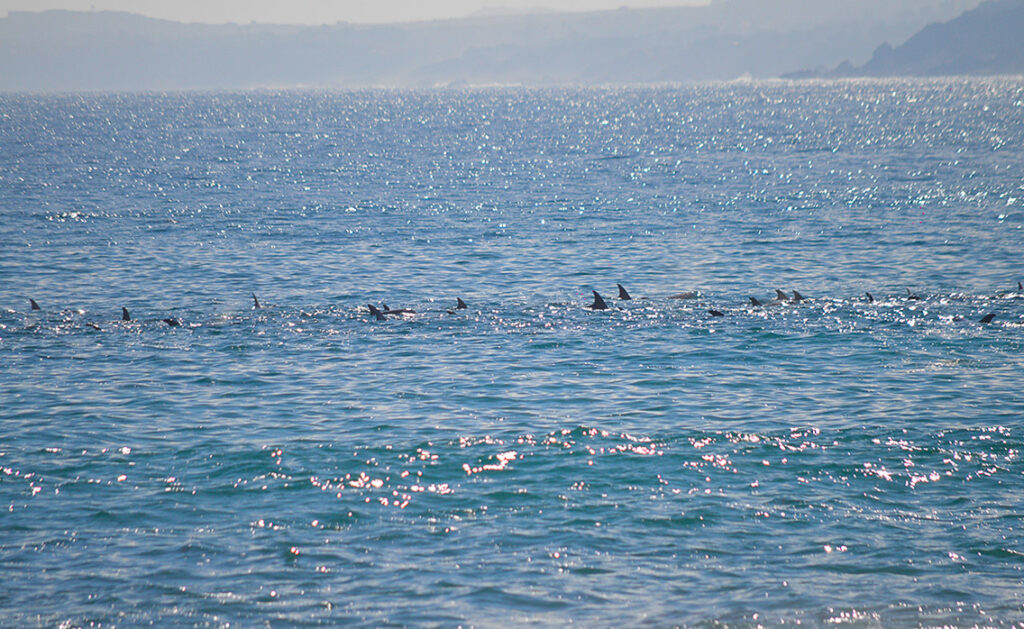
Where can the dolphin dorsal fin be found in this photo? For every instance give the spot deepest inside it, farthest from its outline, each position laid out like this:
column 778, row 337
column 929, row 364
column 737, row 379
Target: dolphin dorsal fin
column 988, row 318
column 754, row 301
column 255, row 302
column 1020, row 286
column 461, row 305
column 377, row 314
column 623, row 293
column 797, row 296
column 781, row 296
column 124, row 314
column 599, row 303
column 33, row 304
column 870, row 297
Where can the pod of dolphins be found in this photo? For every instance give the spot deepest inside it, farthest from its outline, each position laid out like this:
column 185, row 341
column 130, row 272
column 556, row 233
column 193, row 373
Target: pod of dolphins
column 382, row 313
column 781, row 298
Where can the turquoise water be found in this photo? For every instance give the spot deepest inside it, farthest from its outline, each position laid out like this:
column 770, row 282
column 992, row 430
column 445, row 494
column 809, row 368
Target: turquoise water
column 525, row 461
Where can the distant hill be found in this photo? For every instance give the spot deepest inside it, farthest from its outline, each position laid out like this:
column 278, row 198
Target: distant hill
column 74, row 51
column 988, row 40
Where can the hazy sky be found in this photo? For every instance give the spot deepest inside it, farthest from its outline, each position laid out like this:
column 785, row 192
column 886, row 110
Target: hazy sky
column 324, row 11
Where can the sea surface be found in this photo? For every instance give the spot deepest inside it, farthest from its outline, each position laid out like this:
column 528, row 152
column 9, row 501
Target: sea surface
column 526, row 461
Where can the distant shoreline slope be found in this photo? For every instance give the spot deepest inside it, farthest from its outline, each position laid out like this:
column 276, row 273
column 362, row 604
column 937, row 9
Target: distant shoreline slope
column 988, row 40
column 63, row 51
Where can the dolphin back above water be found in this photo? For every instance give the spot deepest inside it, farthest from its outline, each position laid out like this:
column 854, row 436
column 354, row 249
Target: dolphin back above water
column 398, row 311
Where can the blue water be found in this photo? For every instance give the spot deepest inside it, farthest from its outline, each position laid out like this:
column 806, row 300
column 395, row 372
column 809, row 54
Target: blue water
column 526, row 461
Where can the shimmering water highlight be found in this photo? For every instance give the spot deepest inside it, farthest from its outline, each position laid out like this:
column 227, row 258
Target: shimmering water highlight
column 837, row 461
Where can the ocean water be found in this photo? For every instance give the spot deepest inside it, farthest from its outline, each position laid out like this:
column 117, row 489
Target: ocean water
column 526, row 461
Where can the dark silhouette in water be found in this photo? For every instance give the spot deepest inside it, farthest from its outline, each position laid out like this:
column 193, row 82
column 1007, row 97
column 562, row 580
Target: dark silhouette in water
column 598, row 304
column 782, row 298
column 377, row 314
column 687, row 295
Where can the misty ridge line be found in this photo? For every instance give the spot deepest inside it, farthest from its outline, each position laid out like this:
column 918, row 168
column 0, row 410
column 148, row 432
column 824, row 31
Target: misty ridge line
column 64, row 51
column 983, row 41
column 300, row 14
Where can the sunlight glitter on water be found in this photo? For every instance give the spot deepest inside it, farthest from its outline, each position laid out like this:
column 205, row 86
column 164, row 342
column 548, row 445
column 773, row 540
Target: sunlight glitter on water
column 525, row 460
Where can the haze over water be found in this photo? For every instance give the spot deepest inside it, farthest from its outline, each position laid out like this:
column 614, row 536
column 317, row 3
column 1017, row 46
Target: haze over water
column 837, row 461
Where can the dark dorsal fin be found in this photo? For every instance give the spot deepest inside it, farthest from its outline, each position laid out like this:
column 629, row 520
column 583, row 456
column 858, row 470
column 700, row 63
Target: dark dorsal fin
column 1020, row 286
column 623, row 294
column 781, row 296
column 754, row 301
column 988, row 318
column 124, row 314
column 716, row 313
column 461, row 304
column 172, row 322
column 870, row 297
column 797, row 296
column 385, row 308
column 33, row 304
column 377, row 314
column 255, row 302
column 598, row 303
column 912, row 296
